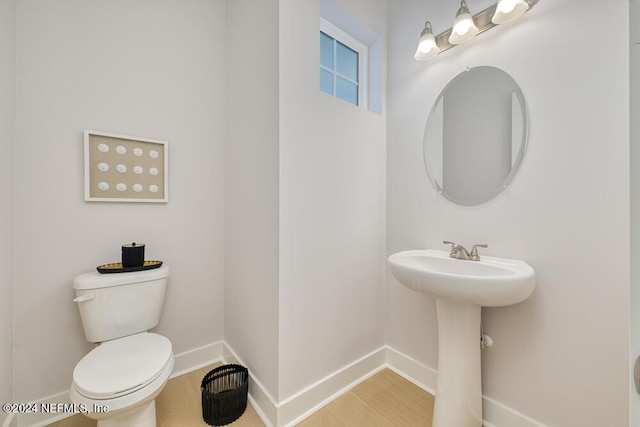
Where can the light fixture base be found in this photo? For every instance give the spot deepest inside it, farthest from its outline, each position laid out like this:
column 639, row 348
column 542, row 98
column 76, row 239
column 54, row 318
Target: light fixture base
column 482, row 21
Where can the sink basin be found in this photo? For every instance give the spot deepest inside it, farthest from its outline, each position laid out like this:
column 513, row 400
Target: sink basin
column 490, row 282
column 461, row 289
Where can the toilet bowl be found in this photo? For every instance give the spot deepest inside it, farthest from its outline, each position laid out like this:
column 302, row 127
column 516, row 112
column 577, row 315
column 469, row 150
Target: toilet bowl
column 117, row 382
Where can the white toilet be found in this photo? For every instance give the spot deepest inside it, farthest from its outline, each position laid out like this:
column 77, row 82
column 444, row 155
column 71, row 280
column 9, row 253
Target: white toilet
column 118, row 381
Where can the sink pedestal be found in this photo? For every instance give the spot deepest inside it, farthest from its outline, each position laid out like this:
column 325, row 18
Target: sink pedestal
column 461, row 288
column 458, row 401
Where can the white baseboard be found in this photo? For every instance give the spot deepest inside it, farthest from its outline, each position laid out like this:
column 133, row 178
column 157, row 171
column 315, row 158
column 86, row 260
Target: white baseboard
column 294, row 409
column 185, row 362
column 42, row 419
column 307, row 401
column 197, row 358
column 299, row 406
column 495, row 414
column 413, row 371
column 261, row 400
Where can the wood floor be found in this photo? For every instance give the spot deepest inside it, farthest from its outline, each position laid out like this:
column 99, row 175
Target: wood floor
column 384, row 400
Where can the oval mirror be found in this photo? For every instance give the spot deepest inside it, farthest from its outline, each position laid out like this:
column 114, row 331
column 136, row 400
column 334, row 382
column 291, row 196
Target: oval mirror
column 476, row 135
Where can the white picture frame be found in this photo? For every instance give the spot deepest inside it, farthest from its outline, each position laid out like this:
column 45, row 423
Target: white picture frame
column 120, row 168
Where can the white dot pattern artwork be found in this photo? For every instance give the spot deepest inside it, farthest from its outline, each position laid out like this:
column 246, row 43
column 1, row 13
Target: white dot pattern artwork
column 121, row 169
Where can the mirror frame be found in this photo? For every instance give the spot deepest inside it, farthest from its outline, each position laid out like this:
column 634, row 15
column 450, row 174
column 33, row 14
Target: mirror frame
column 521, row 152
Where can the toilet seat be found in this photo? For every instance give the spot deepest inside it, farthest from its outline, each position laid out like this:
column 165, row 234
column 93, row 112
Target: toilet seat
column 122, row 366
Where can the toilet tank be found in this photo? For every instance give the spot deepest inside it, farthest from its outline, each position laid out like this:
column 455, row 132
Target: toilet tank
column 119, row 304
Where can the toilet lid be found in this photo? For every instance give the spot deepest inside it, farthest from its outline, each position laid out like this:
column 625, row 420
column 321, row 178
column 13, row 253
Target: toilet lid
column 122, row 366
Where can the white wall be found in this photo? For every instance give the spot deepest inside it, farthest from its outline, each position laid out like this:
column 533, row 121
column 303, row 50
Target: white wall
column 332, row 208
column 305, row 197
column 251, row 197
column 145, row 68
column 7, row 108
column 562, row 356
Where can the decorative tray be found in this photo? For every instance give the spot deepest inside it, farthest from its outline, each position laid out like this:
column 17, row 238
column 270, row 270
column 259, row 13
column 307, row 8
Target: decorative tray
column 116, row 267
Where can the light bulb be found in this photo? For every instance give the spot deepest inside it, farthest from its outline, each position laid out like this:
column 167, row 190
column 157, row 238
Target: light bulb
column 506, row 6
column 464, row 29
column 427, row 46
column 508, row 10
column 424, row 47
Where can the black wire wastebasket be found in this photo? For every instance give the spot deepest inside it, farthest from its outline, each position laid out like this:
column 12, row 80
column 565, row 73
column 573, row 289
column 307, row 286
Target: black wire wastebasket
column 224, row 394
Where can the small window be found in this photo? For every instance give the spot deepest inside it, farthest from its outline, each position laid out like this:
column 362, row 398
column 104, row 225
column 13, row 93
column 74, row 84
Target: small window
column 342, row 65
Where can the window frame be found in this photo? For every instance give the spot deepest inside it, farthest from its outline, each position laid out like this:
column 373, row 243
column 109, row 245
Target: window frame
column 356, row 45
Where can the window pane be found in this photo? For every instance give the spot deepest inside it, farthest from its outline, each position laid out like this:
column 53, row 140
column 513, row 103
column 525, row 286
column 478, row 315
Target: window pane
column 326, row 50
column 347, row 61
column 326, row 82
column 347, row 91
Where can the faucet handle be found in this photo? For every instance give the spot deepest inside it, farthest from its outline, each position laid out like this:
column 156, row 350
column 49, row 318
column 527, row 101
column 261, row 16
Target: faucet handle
column 474, row 251
column 453, row 245
column 456, row 250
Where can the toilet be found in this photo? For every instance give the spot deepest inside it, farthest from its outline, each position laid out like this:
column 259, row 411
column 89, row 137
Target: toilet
column 117, row 382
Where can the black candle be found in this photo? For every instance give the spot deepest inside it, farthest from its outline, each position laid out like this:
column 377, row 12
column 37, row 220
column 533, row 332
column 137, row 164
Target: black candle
column 133, row 255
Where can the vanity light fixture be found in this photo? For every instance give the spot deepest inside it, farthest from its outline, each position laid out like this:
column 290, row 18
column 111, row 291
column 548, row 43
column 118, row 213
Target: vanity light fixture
column 466, row 27
column 427, row 46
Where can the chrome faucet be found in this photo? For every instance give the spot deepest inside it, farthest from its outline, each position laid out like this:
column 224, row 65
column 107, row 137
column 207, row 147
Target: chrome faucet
column 459, row 252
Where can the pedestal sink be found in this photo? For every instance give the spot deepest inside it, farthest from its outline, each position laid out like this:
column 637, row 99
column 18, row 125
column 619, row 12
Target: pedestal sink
column 461, row 288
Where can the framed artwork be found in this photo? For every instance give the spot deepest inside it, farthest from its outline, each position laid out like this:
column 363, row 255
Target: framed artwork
column 120, row 168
